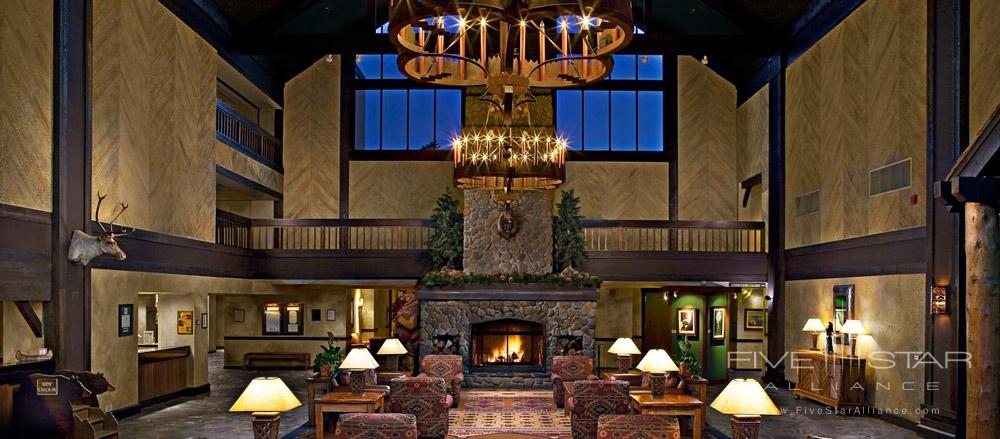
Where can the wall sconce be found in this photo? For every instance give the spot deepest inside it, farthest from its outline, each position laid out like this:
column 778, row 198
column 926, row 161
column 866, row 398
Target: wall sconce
column 939, row 300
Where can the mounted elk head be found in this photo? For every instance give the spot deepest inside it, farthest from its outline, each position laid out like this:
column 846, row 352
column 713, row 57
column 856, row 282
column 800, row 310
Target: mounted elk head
column 85, row 246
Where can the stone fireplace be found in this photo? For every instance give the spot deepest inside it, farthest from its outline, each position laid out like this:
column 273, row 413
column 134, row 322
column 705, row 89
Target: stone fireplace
column 507, row 344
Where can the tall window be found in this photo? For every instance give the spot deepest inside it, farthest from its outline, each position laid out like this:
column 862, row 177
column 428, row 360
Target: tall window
column 626, row 117
column 391, row 115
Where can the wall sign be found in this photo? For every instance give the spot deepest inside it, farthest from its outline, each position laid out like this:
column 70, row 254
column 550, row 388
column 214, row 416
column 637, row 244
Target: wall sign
column 47, row 386
column 126, row 320
column 185, row 322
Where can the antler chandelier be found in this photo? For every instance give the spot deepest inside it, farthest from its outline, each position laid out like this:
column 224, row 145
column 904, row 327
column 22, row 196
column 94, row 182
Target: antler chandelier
column 505, row 160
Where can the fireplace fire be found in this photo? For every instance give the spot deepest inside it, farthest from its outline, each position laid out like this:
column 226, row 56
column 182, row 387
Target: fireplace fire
column 507, row 343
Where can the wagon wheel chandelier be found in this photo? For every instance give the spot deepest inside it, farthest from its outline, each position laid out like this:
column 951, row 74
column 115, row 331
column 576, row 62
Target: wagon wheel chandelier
column 508, row 47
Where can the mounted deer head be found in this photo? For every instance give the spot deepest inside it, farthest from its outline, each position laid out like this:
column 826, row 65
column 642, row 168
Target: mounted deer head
column 85, row 247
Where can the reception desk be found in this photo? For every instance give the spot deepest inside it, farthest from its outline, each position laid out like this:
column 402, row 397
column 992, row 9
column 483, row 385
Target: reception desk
column 163, row 372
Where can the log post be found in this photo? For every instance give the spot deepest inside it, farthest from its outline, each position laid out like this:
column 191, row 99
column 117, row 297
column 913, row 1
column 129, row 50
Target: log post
column 982, row 319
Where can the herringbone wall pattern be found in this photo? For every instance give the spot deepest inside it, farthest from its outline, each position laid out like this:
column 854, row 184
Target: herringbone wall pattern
column 620, row 190
column 857, row 101
column 153, row 92
column 397, row 189
column 26, row 103
column 752, row 135
column 984, row 62
column 707, row 144
column 240, row 163
column 312, row 142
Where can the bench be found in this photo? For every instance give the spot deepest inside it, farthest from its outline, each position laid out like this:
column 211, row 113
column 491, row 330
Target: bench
column 301, row 359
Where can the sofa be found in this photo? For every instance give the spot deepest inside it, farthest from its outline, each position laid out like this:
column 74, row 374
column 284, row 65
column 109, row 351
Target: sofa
column 448, row 368
column 567, row 369
column 376, row 426
column 426, row 398
column 593, row 398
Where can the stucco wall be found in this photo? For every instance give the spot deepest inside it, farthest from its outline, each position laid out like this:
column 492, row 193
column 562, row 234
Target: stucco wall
column 984, row 62
column 17, row 336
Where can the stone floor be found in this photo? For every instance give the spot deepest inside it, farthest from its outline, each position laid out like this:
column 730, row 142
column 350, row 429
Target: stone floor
column 205, row 416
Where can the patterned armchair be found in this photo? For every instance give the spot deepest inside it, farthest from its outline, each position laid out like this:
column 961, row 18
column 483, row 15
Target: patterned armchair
column 593, row 398
column 638, row 427
column 566, row 369
column 675, row 383
column 376, row 426
column 424, row 397
column 446, row 367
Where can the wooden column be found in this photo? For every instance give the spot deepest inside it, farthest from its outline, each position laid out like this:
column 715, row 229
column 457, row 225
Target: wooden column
column 776, row 224
column 982, row 284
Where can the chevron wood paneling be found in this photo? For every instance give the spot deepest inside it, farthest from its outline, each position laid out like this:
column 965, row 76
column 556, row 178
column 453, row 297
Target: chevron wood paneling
column 235, row 161
column 707, row 144
column 312, row 142
column 26, row 47
column 752, row 138
column 153, row 93
column 620, row 190
column 398, row 189
column 984, row 62
column 856, row 101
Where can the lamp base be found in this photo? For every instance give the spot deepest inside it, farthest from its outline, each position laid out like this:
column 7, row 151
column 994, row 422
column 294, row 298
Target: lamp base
column 392, row 363
column 624, row 363
column 745, row 427
column 357, row 378
column 265, row 424
column 658, row 384
column 815, row 342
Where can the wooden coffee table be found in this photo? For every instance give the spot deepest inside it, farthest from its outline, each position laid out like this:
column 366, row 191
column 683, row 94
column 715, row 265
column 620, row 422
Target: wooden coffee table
column 674, row 405
column 346, row 402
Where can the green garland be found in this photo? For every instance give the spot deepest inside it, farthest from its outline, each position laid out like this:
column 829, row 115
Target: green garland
column 448, row 278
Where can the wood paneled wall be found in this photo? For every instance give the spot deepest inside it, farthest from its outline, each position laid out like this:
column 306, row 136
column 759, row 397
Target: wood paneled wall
column 240, row 163
column 153, row 92
column 312, row 142
column 26, row 48
column 620, row 190
column 857, row 101
column 984, row 62
column 707, row 143
column 393, row 189
column 752, row 137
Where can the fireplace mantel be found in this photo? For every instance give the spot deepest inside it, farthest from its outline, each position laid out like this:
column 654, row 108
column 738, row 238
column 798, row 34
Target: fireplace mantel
column 507, row 292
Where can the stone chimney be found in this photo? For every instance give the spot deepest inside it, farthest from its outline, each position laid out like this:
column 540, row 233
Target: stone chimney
column 528, row 251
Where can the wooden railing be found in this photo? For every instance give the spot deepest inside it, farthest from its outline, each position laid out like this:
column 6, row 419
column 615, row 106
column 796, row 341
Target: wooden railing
column 242, row 133
column 675, row 236
column 232, row 230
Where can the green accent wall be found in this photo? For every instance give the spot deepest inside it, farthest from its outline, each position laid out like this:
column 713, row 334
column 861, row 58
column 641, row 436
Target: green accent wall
column 716, row 367
column 686, row 300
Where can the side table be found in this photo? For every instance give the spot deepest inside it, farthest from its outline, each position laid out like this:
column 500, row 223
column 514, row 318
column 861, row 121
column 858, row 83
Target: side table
column 346, row 402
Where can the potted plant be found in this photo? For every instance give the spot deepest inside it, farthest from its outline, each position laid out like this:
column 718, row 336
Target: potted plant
column 687, row 362
column 328, row 361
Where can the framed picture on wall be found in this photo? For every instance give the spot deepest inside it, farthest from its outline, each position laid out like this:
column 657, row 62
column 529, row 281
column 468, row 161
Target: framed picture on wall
column 687, row 321
column 126, row 322
column 185, row 322
column 718, row 323
column 754, row 319
column 331, row 315
column 239, row 315
column 204, row 320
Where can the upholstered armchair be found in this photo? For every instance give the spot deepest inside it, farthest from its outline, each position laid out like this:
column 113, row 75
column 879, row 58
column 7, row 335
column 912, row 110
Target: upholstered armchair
column 593, row 398
column 640, row 383
column 448, row 368
column 376, row 426
column 424, row 397
column 567, row 369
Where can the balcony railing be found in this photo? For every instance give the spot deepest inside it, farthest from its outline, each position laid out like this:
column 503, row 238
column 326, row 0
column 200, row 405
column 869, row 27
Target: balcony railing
column 243, row 134
column 673, row 236
column 412, row 234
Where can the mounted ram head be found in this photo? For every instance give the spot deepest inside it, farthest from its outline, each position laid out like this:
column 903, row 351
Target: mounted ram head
column 85, row 246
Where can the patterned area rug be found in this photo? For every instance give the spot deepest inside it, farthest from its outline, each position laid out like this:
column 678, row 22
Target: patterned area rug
column 492, row 412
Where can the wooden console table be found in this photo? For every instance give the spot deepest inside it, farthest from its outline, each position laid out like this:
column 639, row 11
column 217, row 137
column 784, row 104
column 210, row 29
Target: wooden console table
column 346, row 402
column 674, row 405
column 834, row 380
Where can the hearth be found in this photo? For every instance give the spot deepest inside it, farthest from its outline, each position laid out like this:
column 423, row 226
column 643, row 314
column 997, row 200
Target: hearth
column 507, row 344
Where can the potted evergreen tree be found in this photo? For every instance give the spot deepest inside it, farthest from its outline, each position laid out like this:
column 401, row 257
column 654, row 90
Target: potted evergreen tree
column 446, row 241
column 567, row 234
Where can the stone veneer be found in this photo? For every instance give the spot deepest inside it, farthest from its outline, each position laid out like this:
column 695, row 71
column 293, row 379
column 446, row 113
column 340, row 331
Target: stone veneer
column 456, row 317
column 529, row 251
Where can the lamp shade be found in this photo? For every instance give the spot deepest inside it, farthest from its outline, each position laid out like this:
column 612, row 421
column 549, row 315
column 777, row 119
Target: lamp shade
column 657, row 361
column 392, row 346
column 359, row 358
column 853, row 327
column 266, row 394
column 744, row 397
column 814, row 325
column 624, row 346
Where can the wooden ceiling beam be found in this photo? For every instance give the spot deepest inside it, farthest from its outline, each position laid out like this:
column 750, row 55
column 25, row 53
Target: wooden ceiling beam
column 28, row 313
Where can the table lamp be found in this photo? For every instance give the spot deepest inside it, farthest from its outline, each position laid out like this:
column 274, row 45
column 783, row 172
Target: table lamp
column 265, row 398
column 853, row 328
column 392, row 348
column 358, row 360
column 657, row 363
column 815, row 326
column 624, row 348
column 746, row 401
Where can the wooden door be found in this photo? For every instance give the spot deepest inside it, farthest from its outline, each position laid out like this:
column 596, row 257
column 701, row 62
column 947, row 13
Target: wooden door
column 655, row 321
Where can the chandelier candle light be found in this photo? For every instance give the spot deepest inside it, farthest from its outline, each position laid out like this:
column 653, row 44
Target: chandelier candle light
column 657, row 363
column 624, row 348
column 504, row 160
column 815, row 326
column 357, row 361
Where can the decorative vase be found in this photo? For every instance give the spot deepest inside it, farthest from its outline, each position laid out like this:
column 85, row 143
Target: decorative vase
column 325, row 370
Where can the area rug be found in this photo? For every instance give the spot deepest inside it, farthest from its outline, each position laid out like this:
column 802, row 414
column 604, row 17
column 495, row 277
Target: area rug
column 508, row 412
